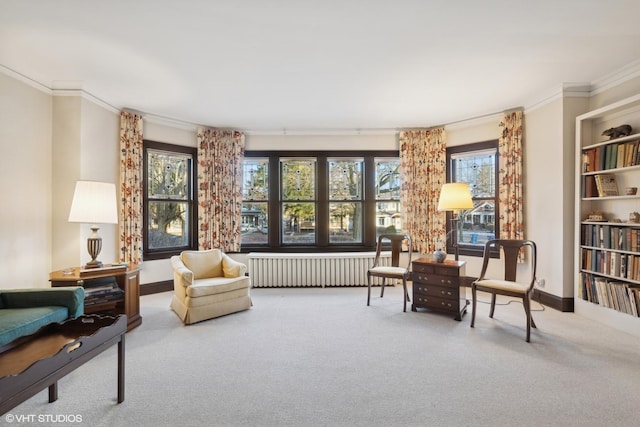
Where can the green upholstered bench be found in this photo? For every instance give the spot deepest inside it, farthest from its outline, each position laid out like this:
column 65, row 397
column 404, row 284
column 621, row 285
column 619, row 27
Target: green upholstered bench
column 24, row 311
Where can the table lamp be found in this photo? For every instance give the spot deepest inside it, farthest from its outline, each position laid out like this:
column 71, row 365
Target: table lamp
column 94, row 203
column 455, row 196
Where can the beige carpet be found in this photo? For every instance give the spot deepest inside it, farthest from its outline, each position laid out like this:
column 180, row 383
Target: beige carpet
column 321, row 357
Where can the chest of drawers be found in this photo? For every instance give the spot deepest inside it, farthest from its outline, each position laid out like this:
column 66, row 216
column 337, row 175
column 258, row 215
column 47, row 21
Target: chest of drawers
column 437, row 286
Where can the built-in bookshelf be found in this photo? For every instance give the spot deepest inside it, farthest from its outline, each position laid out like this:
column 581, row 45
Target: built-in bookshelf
column 607, row 254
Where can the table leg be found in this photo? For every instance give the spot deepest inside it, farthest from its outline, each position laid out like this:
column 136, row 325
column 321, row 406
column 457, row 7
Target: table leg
column 121, row 369
column 53, row 392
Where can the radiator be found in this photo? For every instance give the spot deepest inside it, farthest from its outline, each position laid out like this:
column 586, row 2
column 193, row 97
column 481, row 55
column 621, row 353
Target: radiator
column 318, row 269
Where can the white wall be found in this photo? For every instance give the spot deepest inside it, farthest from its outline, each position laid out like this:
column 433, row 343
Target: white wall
column 67, row 247
column 25, row 173
column 65, row 138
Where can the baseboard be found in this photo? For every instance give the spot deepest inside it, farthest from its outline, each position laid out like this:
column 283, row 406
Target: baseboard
column 553, row 301
column 156, row 287
column 544, row 298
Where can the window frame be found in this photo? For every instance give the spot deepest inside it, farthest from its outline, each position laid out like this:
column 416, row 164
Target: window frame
column 465, row 249
column 322, row 200
column 192, row 235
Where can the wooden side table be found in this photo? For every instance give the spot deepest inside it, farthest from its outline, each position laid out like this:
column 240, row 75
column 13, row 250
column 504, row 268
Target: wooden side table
column 54, row 351
column 437, row 286
column 127, row 278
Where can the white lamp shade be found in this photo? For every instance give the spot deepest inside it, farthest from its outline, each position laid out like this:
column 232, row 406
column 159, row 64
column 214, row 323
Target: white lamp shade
column 455, row 196
column 94, row 203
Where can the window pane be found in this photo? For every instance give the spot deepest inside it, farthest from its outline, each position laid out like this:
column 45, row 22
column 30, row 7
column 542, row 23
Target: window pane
column 478, row 170
column 345, row 179
column 477, row 224
column 345, row 222
column 168, row 175
column 388, row 217
column 387, row 179
column 255, row 179
column 299, row 223
column 254, row 223
column 298, row 179
column 168, row 224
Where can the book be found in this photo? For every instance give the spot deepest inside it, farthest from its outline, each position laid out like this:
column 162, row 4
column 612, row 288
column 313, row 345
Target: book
column 607, row 185
column 86, row 272
column 590, row 187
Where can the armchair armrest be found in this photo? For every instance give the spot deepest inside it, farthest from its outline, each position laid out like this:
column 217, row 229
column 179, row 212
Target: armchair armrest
column 71, row 297
column 181, row 274
column 231, row 267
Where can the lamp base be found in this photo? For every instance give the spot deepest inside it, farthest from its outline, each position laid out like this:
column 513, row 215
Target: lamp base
column 94, row 246
column 93, row 264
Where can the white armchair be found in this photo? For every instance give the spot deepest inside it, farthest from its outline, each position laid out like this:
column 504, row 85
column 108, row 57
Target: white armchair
column 208, row 284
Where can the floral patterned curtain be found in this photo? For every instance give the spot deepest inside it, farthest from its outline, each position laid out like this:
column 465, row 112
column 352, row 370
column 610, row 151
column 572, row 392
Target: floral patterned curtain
column 510, row 176
column 131, row 155
column 423, row 160
column 220, row 154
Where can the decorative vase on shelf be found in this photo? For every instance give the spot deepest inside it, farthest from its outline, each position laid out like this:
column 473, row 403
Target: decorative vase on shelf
column 439, row 255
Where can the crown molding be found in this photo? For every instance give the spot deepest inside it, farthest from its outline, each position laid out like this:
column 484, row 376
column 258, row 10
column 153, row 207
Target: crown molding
column 563, row 90
column 165, row 121
column 322, row 132
column 88, row 96
column 622, row 75
column 24, row 79
column 473, row 122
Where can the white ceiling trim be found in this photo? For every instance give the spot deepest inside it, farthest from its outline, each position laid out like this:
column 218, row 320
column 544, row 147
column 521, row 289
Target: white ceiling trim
column 563, row 90
column 24, row 79
column 86, row 95
column 624, row 74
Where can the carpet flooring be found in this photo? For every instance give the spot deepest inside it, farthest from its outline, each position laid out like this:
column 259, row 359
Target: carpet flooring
column 321, row 357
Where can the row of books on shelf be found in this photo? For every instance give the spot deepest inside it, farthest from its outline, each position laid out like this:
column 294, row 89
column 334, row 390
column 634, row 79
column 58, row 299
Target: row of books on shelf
column 624, row 266
column 611, row 237
column 102, row 291
column 611, row 156
column 619, row 296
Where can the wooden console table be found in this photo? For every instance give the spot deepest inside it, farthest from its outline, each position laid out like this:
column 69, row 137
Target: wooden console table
column 56, row 350
column 127, row 278
column 436, row 285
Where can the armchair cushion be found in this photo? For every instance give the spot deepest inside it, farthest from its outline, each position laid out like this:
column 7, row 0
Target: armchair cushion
column 203, row 264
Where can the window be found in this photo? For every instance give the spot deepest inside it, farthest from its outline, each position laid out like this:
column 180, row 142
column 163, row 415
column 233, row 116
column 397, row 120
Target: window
column 317, row 200
column 255, row 196
column 477, row 165
column 170, row 208
column 388, row 213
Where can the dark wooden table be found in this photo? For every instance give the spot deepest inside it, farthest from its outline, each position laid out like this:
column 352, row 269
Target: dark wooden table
column 55, row 351
column 438, row 286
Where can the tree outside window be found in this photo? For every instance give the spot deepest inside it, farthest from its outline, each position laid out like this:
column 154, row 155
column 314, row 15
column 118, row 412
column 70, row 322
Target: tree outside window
column 169, row 205
column 322, row 201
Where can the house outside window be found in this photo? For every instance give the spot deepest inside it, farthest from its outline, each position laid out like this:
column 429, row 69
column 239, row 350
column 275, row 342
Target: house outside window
column 318, row 200
column 477, row 165
column 170, row 207
column 255, row 205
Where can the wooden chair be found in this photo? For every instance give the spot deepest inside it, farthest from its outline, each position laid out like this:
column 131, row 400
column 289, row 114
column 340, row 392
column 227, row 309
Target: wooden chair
column 394, row 271
column 509, row 285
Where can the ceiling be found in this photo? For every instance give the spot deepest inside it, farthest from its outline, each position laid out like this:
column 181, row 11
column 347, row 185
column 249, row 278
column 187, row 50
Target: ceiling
column 308, row 65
